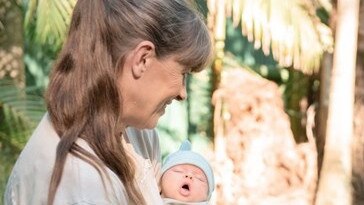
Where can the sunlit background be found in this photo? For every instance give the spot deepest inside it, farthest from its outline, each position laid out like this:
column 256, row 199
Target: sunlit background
column 279, row 113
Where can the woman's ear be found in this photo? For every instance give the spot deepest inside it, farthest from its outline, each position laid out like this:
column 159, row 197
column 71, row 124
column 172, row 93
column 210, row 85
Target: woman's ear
column 142, row 53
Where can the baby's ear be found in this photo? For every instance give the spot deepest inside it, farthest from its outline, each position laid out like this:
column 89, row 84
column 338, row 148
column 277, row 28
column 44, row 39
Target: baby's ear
column 142, row 53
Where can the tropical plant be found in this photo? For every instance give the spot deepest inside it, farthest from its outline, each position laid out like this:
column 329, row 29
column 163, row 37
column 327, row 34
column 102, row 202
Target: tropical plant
column 45, row 28
column 290, row 30
column 47, row 20
column 20, row 112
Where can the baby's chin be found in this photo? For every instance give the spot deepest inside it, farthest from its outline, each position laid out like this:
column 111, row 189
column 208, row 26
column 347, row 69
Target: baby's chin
column 185, row 192
column 187, row 196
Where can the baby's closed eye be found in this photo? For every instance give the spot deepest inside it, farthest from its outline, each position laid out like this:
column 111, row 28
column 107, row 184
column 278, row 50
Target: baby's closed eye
column 178, row 170
column 201, row 178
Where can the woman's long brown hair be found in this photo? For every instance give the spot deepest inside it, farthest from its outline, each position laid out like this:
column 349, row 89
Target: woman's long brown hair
column 83, row 98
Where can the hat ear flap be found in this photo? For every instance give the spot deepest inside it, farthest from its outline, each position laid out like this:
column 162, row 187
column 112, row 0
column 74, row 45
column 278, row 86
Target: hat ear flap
column 185, row 146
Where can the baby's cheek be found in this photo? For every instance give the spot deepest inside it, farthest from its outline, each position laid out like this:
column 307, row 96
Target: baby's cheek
column 203, row 190
column 169, row 185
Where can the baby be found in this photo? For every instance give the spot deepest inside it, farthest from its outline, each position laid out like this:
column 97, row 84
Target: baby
column 187, row 178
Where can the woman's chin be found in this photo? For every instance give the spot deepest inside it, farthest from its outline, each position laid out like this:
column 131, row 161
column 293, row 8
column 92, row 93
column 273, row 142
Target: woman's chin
column 149, row 124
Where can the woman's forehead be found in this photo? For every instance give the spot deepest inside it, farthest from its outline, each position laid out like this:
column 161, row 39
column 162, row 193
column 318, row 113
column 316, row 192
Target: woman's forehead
column 187, row 64
column 172, row 60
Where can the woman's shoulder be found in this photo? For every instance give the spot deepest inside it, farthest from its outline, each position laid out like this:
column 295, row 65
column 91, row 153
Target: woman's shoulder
column 84, row 182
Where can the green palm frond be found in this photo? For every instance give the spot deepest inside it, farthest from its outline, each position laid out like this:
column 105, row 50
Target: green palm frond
column 20, row 111
column 51, row 19
column 289, row 29
column 326, row 4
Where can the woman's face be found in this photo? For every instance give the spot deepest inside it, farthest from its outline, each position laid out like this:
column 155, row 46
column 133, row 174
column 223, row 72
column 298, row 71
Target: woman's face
column 145, row 98
column 186, row 183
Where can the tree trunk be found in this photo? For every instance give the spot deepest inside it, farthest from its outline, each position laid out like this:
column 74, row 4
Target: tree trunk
column 11, row 42
column 358, row 142
column 325, row 73
column 335, row 181
column 217, row 24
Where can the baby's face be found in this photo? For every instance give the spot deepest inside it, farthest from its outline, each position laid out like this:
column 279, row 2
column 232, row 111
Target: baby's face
column 186, row 183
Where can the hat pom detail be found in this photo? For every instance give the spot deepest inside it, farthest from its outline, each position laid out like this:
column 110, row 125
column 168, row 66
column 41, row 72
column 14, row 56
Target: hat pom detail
column 185, row 146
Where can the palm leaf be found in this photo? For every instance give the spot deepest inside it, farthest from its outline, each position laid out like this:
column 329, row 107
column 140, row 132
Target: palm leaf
column 20, row 111
column 326, row 4
column 51, row 19
column 289, row 29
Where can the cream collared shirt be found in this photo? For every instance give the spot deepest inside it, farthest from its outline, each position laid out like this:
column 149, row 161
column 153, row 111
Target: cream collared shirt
column 81, row 183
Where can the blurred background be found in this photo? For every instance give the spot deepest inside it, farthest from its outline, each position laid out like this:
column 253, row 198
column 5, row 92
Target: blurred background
column 279, row 113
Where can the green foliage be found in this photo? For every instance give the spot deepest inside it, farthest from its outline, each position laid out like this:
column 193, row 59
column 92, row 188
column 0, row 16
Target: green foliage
column 38, row 61
column 46, row 21
column 299, row 91
column 20, row 111
column 45, row 25
column 199, row 108
column 242, row 51
column 297, row 88
column 189, row 119
column 172, row 127
column 290, row 30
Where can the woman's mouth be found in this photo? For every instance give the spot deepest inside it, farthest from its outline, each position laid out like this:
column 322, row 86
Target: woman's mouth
column 163, row 109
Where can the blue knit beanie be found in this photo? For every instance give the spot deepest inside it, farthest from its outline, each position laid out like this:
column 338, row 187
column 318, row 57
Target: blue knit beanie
column 185, row 156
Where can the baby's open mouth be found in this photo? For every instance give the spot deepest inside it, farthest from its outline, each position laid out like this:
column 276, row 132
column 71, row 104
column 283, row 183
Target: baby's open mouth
column 185, row 190
column 186, row 187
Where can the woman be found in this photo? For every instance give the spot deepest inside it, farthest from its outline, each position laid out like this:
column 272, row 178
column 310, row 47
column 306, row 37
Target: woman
column 123, row 62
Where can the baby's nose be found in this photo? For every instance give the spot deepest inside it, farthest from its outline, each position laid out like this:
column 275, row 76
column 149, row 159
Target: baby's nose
column 188, row 176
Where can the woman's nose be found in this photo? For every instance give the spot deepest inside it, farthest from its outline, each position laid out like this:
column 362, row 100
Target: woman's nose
column 182, row 95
